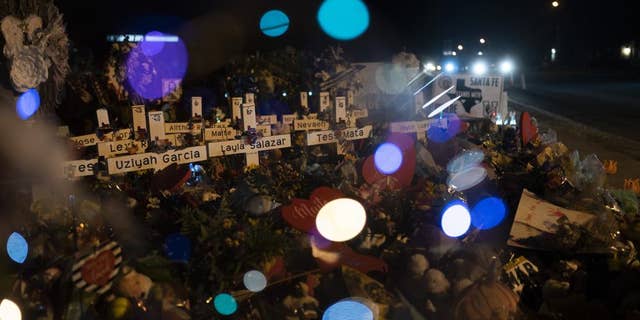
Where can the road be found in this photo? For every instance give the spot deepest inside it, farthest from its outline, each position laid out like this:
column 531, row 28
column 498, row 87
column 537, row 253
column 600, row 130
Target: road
column 610, row 105
column 600, row 116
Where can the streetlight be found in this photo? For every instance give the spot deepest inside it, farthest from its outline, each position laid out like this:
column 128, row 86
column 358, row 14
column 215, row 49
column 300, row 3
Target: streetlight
column 626, row 52
column 454, row 53
column 555, row 4
column 480, row 53
column 482, row 41
column 460, row 47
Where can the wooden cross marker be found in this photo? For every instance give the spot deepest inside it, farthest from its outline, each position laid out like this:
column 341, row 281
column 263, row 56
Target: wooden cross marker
column 325, row 102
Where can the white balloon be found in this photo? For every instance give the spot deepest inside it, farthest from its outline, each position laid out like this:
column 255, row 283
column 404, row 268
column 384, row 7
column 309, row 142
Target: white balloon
column 341, row 219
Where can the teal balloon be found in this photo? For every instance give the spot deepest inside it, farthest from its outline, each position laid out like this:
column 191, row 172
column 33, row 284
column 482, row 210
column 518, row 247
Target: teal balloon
column 17, row 247
column 225, row 304
column 274, row 23
column 343, row 19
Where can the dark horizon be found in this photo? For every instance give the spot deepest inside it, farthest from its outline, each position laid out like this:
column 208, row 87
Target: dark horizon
column 526, row 29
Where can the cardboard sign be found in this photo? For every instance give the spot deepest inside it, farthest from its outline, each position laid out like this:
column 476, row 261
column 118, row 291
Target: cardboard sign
column 325, row 102
column 156, row 125
column 217, row 134
column 158, row 161
column 218, row 149
column 139, row 122
column 301, row 213
column 329, row 136
column 409, row 126
column 360, row 113
column 341, row 109
column 304, row 100
column 95, row 272
column 103, row 118
column 250, row 98
column 536, row 217
column 236, row 103
column 309, row 124
column 182, row 127
column 265, row 131
column 78, row 168
column 196, row 107
column 108, row 149
column 480, row 96
column 92, row 139
column 268, row 119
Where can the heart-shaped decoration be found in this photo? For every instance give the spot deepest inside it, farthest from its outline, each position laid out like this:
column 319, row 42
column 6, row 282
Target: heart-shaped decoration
column 528, row 129
column 301, row 213
column 334, row 254
column 97, row 271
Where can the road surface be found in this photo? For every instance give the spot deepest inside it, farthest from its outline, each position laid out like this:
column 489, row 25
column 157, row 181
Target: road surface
column 600, row 116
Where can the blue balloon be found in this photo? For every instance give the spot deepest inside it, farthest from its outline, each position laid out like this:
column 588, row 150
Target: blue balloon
column 17, row 247
column 274, row 23
column 348, row 310
column 177, row 248
column 27, row 104
column 343, row 19
column 225, row 304
column 488, row 213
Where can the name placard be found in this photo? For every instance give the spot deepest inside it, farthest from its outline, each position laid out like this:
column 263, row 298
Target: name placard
column 182, row 127
column 328, row 136
column 79, row 168
column 289, row 118
column 409, row 126
column 108, row 149
column 160, row 161
column 309, row 124
column 268, row 119
column 218, row 149
column 360, row 113
column 92, row 139
column 217, row 134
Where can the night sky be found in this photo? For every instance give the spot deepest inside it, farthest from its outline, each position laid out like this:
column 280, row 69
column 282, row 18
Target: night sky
column 583, row 30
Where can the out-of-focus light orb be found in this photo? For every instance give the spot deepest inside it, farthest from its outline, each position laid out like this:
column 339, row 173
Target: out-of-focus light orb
column 152, row 77
column 464, row 161
column 460, row 47
column 27, row 104
column 348, row 310
column 439, row 67
column 479, row 68
column 626, row 51
column 488, row 213
column 449, row 67
column 430, row 66
column 225, row 304
column 17, row 247
column 506, row 67
column 467, row 179
column 456, row 219
column 553, row 50
column 444, row 128
column 388, row 158
column 454, row 53
column 341, row 219
column 480, row 53
column 150, row 46
column 284, row 94
column 274, row 23
column 555, row 4
column 9, row 310
column 177, row 247
column 310, row 93
column 254, row 281
column 483, row 41
column 343, row 19
column 391, row 78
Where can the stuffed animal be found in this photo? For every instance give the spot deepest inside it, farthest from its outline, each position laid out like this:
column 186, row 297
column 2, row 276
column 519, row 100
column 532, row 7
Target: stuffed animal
column 302, row 305
column 134, row 285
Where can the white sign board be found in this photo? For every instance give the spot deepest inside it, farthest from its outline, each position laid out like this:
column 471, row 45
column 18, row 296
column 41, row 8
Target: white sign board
column 341, row 109
column 329, row 136
column 235, row 108
column 250, row 98
column 79, row 168
column 213, row 134
column 218, row 149
column 309, row 124
column 103, row 118
column 157, row 161
column 304, row 100
column 92, row 139
column 183, row 127
column 156, row 125
column 139, row 121
column 324, row 101
column 480, row 96
column 108, row 149
column 196, row 107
